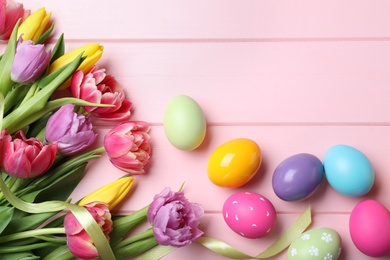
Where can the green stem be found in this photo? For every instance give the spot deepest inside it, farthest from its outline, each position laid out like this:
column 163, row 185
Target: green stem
column 146, row 234
column 54, row 240
column 31, row 233
column 136, row 248
column 124, row 224
column 60, row 253
column 17, row 249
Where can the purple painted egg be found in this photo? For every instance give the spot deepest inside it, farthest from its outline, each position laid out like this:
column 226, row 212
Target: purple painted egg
column 297, row 177
column 249, row 214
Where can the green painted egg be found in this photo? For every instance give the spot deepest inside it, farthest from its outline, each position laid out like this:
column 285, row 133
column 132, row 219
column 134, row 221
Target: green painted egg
column 184, row 123
column 320, row 243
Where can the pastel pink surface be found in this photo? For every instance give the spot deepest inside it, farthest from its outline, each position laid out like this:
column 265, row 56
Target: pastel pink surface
column 294, row 77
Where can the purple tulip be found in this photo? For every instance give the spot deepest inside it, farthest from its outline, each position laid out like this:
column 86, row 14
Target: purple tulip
column 29, row 62
column 174, row 219
column 71, row 132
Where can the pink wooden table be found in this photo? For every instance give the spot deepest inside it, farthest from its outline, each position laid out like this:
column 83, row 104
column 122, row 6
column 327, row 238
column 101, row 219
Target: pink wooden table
column 294, row 76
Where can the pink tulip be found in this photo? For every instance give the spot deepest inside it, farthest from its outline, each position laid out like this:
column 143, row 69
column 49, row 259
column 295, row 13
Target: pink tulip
column 79, row 242
column 98, row 87
column 128, row 146
column 70, row 131
column 25, row 158
column 4, row 137
column 30, row 61
column 10, row 13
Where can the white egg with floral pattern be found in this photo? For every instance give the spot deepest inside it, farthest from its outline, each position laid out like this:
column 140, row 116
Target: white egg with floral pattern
column 316, row 244
column 249, row 214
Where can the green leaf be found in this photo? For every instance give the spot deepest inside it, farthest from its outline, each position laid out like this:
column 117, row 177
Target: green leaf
column 19, row 256
column 60, row 171
column 6, row 63
column 6, row 214
column 58, row 50
column 60, row 253
column 62, row 189
column 27, row 222
column 15, row 96
column 38, row 126
column 15, row 120
column 46, row 34
column 124, row 224
column 135, row 248
column 52, row 105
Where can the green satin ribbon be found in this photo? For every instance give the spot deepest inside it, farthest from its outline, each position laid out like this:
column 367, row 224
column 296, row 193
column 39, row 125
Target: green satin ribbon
column 296, row 229
column 221, row 248
column 1, row 111
column 82, row 215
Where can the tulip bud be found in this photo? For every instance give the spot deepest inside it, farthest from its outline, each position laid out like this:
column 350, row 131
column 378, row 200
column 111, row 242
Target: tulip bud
column 112, row 193
column 91, row 51
column 25, row 158
column 128, row 146
column 34, row 26
column 79, row 242
column 10, row 13
column 70, row 131
column 30, row 61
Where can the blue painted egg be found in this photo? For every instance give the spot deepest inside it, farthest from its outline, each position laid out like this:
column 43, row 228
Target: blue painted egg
column 348, row 170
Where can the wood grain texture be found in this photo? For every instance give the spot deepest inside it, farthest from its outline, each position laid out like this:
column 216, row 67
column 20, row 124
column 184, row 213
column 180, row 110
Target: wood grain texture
column 294, row 77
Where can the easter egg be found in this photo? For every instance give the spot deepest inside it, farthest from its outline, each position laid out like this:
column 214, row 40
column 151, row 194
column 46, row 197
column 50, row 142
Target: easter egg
column 316, row 244
column 184, row 123
column 348, row 170
column 234, row 163
column 369, row 227
column 249, row 214
column 297, row 177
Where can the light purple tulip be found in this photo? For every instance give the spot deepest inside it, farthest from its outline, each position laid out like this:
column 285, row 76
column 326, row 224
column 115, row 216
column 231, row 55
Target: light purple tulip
column 71, row 132
column 29, row 62
column 174, row 219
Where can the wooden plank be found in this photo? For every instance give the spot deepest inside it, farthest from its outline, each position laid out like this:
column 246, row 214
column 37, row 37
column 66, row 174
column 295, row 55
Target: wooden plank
column 268, row 82
column 219, row 19
column 171, row 167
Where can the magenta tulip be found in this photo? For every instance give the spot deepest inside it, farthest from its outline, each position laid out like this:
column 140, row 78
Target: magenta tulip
column 10, row 13
column 25, row 158
column 101, row 88
column 70, row 131
column 79, row 242
column 128, row 146
column 30, row 61
column 174, row 219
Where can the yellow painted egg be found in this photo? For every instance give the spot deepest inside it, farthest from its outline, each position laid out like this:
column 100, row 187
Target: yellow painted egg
column 184, row 123
column 234, row 163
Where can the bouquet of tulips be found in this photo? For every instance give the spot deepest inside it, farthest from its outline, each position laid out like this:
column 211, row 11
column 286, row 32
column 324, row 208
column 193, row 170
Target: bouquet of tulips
column 49, row 101
column 45, row 145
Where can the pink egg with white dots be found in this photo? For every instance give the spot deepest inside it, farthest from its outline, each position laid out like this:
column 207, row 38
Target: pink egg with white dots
column 249, row 214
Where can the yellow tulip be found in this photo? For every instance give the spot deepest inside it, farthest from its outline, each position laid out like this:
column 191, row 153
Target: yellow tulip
column 33, row 27
column 92, row 52
column 112, row 193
